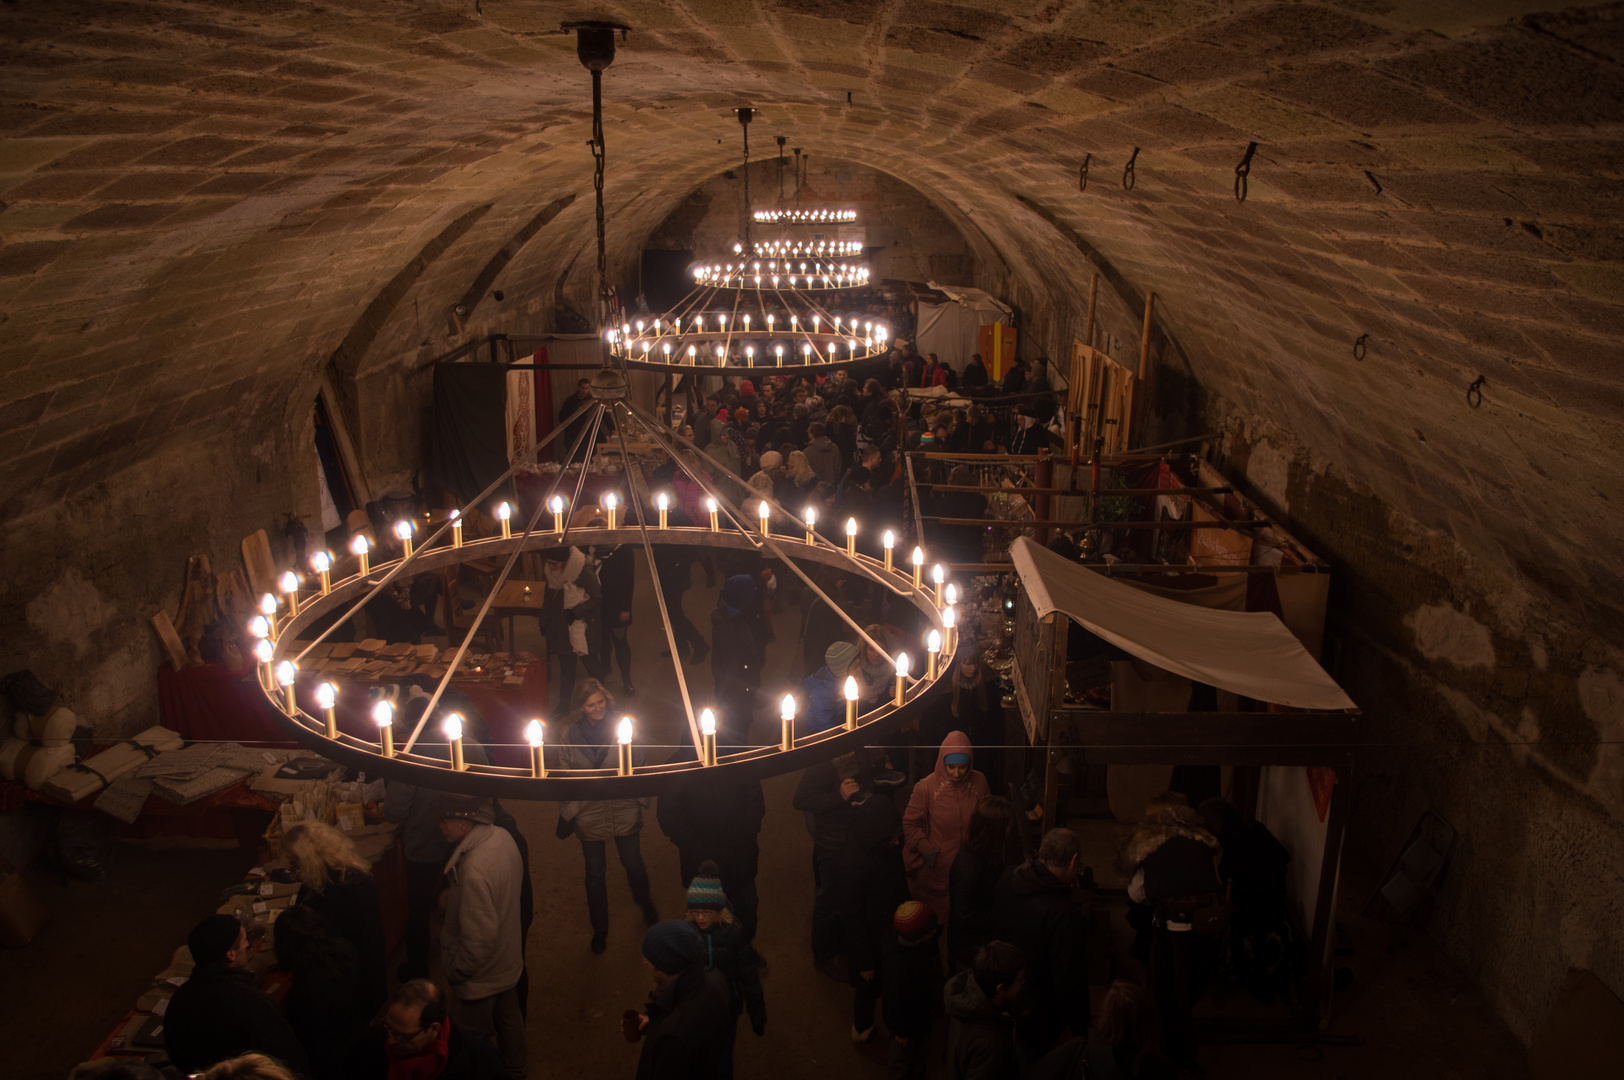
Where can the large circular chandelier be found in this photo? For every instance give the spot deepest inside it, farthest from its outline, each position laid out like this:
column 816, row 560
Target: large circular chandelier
column 306, row 707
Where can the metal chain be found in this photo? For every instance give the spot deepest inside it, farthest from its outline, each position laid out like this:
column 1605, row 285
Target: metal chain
column 604, row 296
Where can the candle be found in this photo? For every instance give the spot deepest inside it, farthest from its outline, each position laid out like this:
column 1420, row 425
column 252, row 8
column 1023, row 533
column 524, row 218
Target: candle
column 763, row 511
column 933, row 645
column 811, row 515
column 453, row 735
column 265, row 652
column 710, row 504
column 535, row 734
column 504, row 514
column 851, row 703
column 322, row 563
column 285, row 674
column 888, row 541
column 259, row 626
column 403, row 532
column 663, row 501
column 951, row 594
column 919, row 566
column 786, row 713
column 623, row 739
column 938, row 574
column 383, row 714
column 610, row 502
column 556, row 505
column 902, row 675
column 359, row 548
column 707, row 737
column 851, row 537
column 950, row 621
column 289, row 584
column 267, row 608
column 456, row 528
column 327, row 697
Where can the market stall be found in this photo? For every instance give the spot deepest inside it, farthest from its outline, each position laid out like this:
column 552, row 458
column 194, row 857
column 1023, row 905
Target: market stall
column 1281, row 723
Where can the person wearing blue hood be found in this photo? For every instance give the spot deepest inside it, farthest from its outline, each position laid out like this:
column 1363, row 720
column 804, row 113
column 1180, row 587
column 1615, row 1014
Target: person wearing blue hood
column 738, row 649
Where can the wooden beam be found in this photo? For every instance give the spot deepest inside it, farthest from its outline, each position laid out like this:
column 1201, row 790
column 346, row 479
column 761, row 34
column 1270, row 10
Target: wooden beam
column 341, row 439
column 1093, row 295
column 1144, row 337
column 1322, row 971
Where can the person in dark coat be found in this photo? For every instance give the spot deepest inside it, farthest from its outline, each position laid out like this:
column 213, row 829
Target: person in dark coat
column 689, row 1010
column 1124, row 1045
column 1015, row 378
column 323, row 1005
column 972, row 883
column 825, row 794
column 1030, row 436
column 674, row 564
column 912, row 973
column 981, row 1004
column 738, row 650
column 617, row 577
column 417, row 1039
column 727, row 950
column 711, row 820
column 1032, row 909
column 218, row 1013
column 870, row 884
column 337, row 881
column 974, row 376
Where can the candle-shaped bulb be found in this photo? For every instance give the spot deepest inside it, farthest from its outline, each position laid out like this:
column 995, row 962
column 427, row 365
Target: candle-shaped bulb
column 321, row 562
column 786, row 707
column 504, row 512
column 259, row 626
column 288, row 582
column 938, row 573
column 327, row 693
column 359, row 545
column 851, row 688
column 951, row 594
column 662, row 501
column 609, row 500
column 383, row 714
column 889, row 539
column 403, row 530
column 950, row 617
column 707, row 722
column 285, row 673
column 535, row 733
column 811, row 516
column 710, row 504
column 264, row 651
column 453, row 727
column 851, row 526
column 267, row 604
column 919, row 556
column 902, row 665
column 556, row 504
column 623, row 732
column 764, row 511
column 934, row 642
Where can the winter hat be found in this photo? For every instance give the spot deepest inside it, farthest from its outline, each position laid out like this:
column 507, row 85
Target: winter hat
column 914, row 920
column 705, row 891
column 956, row 759
column 738, row 590
column 841, row 656
column 673, row 946
column 212, row 938
column 741, row 415
column 467, row 808
column 771, row 460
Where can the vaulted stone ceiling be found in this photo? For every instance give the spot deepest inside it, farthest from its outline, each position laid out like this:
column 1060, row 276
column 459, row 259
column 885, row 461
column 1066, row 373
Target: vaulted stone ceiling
column 204, row 202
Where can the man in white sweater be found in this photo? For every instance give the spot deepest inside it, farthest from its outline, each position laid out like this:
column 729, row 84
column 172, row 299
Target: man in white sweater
column 481, row 949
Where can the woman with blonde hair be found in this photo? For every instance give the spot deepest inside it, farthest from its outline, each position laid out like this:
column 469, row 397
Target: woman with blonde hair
column 335, row 881
column 249, row 1067
column 589, row 744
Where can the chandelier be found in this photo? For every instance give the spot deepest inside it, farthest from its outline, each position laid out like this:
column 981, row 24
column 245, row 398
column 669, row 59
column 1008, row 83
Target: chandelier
column 772, row 307
column 306, row 708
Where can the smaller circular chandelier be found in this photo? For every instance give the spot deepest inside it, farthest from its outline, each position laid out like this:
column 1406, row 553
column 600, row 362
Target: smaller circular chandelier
column 799, row 275
column 802, row 249
column 798, row 216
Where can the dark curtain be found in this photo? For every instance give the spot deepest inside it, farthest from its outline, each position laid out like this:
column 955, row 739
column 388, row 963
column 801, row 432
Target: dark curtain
column 467, row 427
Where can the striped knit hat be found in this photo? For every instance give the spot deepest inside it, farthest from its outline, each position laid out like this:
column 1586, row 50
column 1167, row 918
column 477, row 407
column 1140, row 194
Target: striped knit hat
column 705, row 891
column 914, row 920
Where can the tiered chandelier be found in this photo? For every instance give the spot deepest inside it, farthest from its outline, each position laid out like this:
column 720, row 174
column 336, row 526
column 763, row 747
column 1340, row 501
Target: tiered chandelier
column 764, row 306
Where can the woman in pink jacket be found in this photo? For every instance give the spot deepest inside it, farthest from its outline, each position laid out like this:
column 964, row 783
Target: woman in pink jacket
column 937, row 820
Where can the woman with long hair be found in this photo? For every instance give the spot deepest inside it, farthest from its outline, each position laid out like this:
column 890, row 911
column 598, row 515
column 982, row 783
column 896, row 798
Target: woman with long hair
column 992, row 843
column 337, row 882
column 323, row 1005
column 589, row 744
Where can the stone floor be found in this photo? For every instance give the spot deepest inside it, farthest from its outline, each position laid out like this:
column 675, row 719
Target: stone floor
column 1416, row 1014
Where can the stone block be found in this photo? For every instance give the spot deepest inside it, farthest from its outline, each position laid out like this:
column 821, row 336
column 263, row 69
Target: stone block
column 17, row 260
column 107, row 123
column 1359, row 96
column 53, row 186
column 152, row 186
column 1115, row 84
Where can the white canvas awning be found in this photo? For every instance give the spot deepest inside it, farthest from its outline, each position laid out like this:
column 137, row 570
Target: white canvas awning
column 1250, row 653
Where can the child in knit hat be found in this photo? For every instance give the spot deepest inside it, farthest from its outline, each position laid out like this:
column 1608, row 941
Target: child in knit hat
column 912, row 972
column 728, row 951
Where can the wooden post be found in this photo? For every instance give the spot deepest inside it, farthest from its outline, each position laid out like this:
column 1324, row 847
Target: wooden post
column 1056, row 698
column 1044, row 475
column 341, row 438
column 1144, row 337
column 1093, row 293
